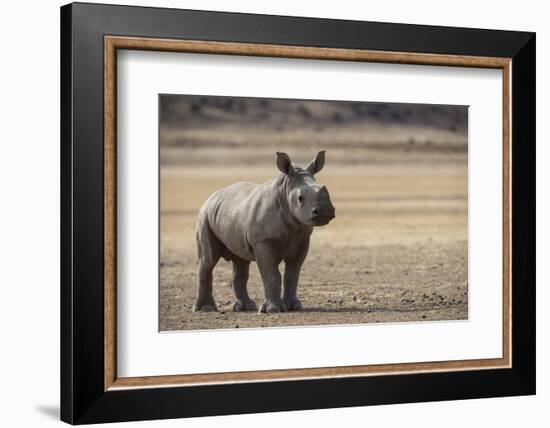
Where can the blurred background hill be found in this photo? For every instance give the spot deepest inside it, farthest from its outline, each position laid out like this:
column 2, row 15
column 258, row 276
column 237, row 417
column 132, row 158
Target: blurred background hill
column 207, row 127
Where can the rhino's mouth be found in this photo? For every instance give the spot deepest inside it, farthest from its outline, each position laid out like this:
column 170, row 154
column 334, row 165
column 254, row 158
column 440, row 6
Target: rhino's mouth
column 321, row 220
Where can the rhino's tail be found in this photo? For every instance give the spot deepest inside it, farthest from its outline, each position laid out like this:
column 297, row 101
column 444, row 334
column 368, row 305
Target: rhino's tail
column 209, row 247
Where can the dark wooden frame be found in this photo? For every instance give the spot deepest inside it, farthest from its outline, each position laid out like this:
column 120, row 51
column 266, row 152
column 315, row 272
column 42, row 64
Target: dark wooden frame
column 90, row 35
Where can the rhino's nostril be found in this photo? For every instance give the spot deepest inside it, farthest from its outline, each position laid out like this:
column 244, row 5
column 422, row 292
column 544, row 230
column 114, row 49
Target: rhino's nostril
column 314, row 211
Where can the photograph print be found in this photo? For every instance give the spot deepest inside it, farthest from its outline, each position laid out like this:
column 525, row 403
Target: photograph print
column 290, row 212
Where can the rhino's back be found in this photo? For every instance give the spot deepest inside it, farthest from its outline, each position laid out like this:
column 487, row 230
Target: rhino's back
column 239, row 190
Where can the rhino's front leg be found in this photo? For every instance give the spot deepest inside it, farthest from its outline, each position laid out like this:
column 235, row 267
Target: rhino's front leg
column 292, row 276
column 239, row 280
column 268, row 260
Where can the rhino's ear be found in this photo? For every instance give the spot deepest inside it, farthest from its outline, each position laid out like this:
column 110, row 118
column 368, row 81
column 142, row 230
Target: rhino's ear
column 283, row 163
column 317, row 164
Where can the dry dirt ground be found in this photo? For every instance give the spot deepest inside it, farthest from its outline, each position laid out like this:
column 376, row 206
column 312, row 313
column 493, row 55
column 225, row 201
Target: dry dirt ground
column 397, row 250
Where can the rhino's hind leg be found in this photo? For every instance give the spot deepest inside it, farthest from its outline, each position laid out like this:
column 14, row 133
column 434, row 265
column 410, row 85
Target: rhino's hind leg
column 239, row 280
column 205, row 300
column 209, row 251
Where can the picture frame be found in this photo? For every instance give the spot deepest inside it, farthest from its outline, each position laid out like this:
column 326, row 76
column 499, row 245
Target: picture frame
column 91, row 391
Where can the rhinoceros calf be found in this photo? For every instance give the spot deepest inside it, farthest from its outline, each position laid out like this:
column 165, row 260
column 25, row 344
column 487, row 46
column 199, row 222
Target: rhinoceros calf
column 266, row 223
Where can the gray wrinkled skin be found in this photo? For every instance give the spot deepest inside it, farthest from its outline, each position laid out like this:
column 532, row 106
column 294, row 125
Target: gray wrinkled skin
column 266, row 223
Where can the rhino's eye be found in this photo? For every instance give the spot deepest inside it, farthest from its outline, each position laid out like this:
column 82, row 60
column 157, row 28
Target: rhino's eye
column 301, row 199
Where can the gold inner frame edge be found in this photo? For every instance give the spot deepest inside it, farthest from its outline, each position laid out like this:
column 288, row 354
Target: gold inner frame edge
column 113, row 43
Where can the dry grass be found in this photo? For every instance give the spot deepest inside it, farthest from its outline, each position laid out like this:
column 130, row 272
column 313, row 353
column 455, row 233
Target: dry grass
column 397, row 250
